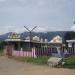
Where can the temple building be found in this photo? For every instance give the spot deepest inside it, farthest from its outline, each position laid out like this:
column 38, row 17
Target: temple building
column 41, row 46
column 17, row 43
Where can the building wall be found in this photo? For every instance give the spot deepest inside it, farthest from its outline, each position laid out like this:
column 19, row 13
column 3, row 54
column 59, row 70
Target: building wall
column 22, row 53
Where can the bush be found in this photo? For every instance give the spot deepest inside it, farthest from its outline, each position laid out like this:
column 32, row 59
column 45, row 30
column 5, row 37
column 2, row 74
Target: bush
column 69, row 62
column 2, row 44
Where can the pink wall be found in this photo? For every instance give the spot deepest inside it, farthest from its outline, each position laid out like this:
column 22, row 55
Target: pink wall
column 26, row 53
column 22, row 53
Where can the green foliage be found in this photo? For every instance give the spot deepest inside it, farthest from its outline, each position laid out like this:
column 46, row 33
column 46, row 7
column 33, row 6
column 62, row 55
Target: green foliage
column 69, row 62
column 41, row 60
column 69, row 35
column 2, row 44
column 1, row 52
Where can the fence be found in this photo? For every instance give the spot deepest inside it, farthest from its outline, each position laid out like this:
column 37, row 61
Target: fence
column 69, row 50
column 49, row 51
column 39, row 51
column 45, row 51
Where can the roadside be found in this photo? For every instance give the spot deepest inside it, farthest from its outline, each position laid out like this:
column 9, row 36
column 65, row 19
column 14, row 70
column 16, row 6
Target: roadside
column 13, row 67
column 68, row 62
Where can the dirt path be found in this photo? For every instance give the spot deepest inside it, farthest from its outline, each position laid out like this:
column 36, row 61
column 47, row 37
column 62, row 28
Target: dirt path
column 12, row 67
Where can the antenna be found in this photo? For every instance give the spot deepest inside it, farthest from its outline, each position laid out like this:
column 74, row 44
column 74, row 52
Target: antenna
column 30, row 34
column 33, row 28
column 27, row 28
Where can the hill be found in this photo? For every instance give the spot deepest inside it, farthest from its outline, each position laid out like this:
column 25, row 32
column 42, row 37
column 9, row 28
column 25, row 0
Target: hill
column 48, row 35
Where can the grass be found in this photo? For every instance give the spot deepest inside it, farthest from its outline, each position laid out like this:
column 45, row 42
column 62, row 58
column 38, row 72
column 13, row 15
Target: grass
column 69, row 62
column 41, row 60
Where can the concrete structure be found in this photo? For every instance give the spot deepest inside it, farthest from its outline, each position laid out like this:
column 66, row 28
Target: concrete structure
column 18, row 46
column 71, row 43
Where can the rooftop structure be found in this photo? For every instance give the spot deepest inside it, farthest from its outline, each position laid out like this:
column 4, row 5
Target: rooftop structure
column 73, row 40
column 57, row 39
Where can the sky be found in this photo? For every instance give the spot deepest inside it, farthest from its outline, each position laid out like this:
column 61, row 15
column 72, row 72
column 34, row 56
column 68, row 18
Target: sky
column 47, row 15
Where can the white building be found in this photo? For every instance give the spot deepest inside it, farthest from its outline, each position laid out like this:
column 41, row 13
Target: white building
column 71, row 43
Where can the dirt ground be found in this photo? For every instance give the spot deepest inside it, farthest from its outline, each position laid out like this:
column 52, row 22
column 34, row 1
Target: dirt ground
column 13, row 67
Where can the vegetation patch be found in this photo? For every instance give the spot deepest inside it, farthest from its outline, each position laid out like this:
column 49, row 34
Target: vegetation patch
column 41, row 60
column 69, row 62
column 1, row 52
column 2, row 44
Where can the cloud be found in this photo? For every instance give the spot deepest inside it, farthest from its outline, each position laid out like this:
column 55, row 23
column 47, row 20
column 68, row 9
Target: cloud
column 48, row 15
column 41, row 29
column 16, row 29
column 2, row 0
column 73, row 28
column 11, row 28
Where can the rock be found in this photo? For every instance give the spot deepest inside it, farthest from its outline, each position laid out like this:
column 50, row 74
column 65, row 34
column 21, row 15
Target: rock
column 63, row 63
column 53, row 61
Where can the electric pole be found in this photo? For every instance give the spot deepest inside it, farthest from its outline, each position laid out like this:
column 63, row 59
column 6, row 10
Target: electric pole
column 30, row 34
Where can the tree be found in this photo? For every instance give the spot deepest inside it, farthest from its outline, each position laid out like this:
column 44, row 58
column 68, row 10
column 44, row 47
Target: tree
column 2, row 44
column 69, row 35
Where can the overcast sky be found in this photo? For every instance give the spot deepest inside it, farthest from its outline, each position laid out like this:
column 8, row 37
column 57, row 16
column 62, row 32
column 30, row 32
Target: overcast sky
column 48, row 15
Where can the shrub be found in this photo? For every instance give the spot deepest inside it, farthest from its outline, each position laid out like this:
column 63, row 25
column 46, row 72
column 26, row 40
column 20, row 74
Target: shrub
column 69, row 62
